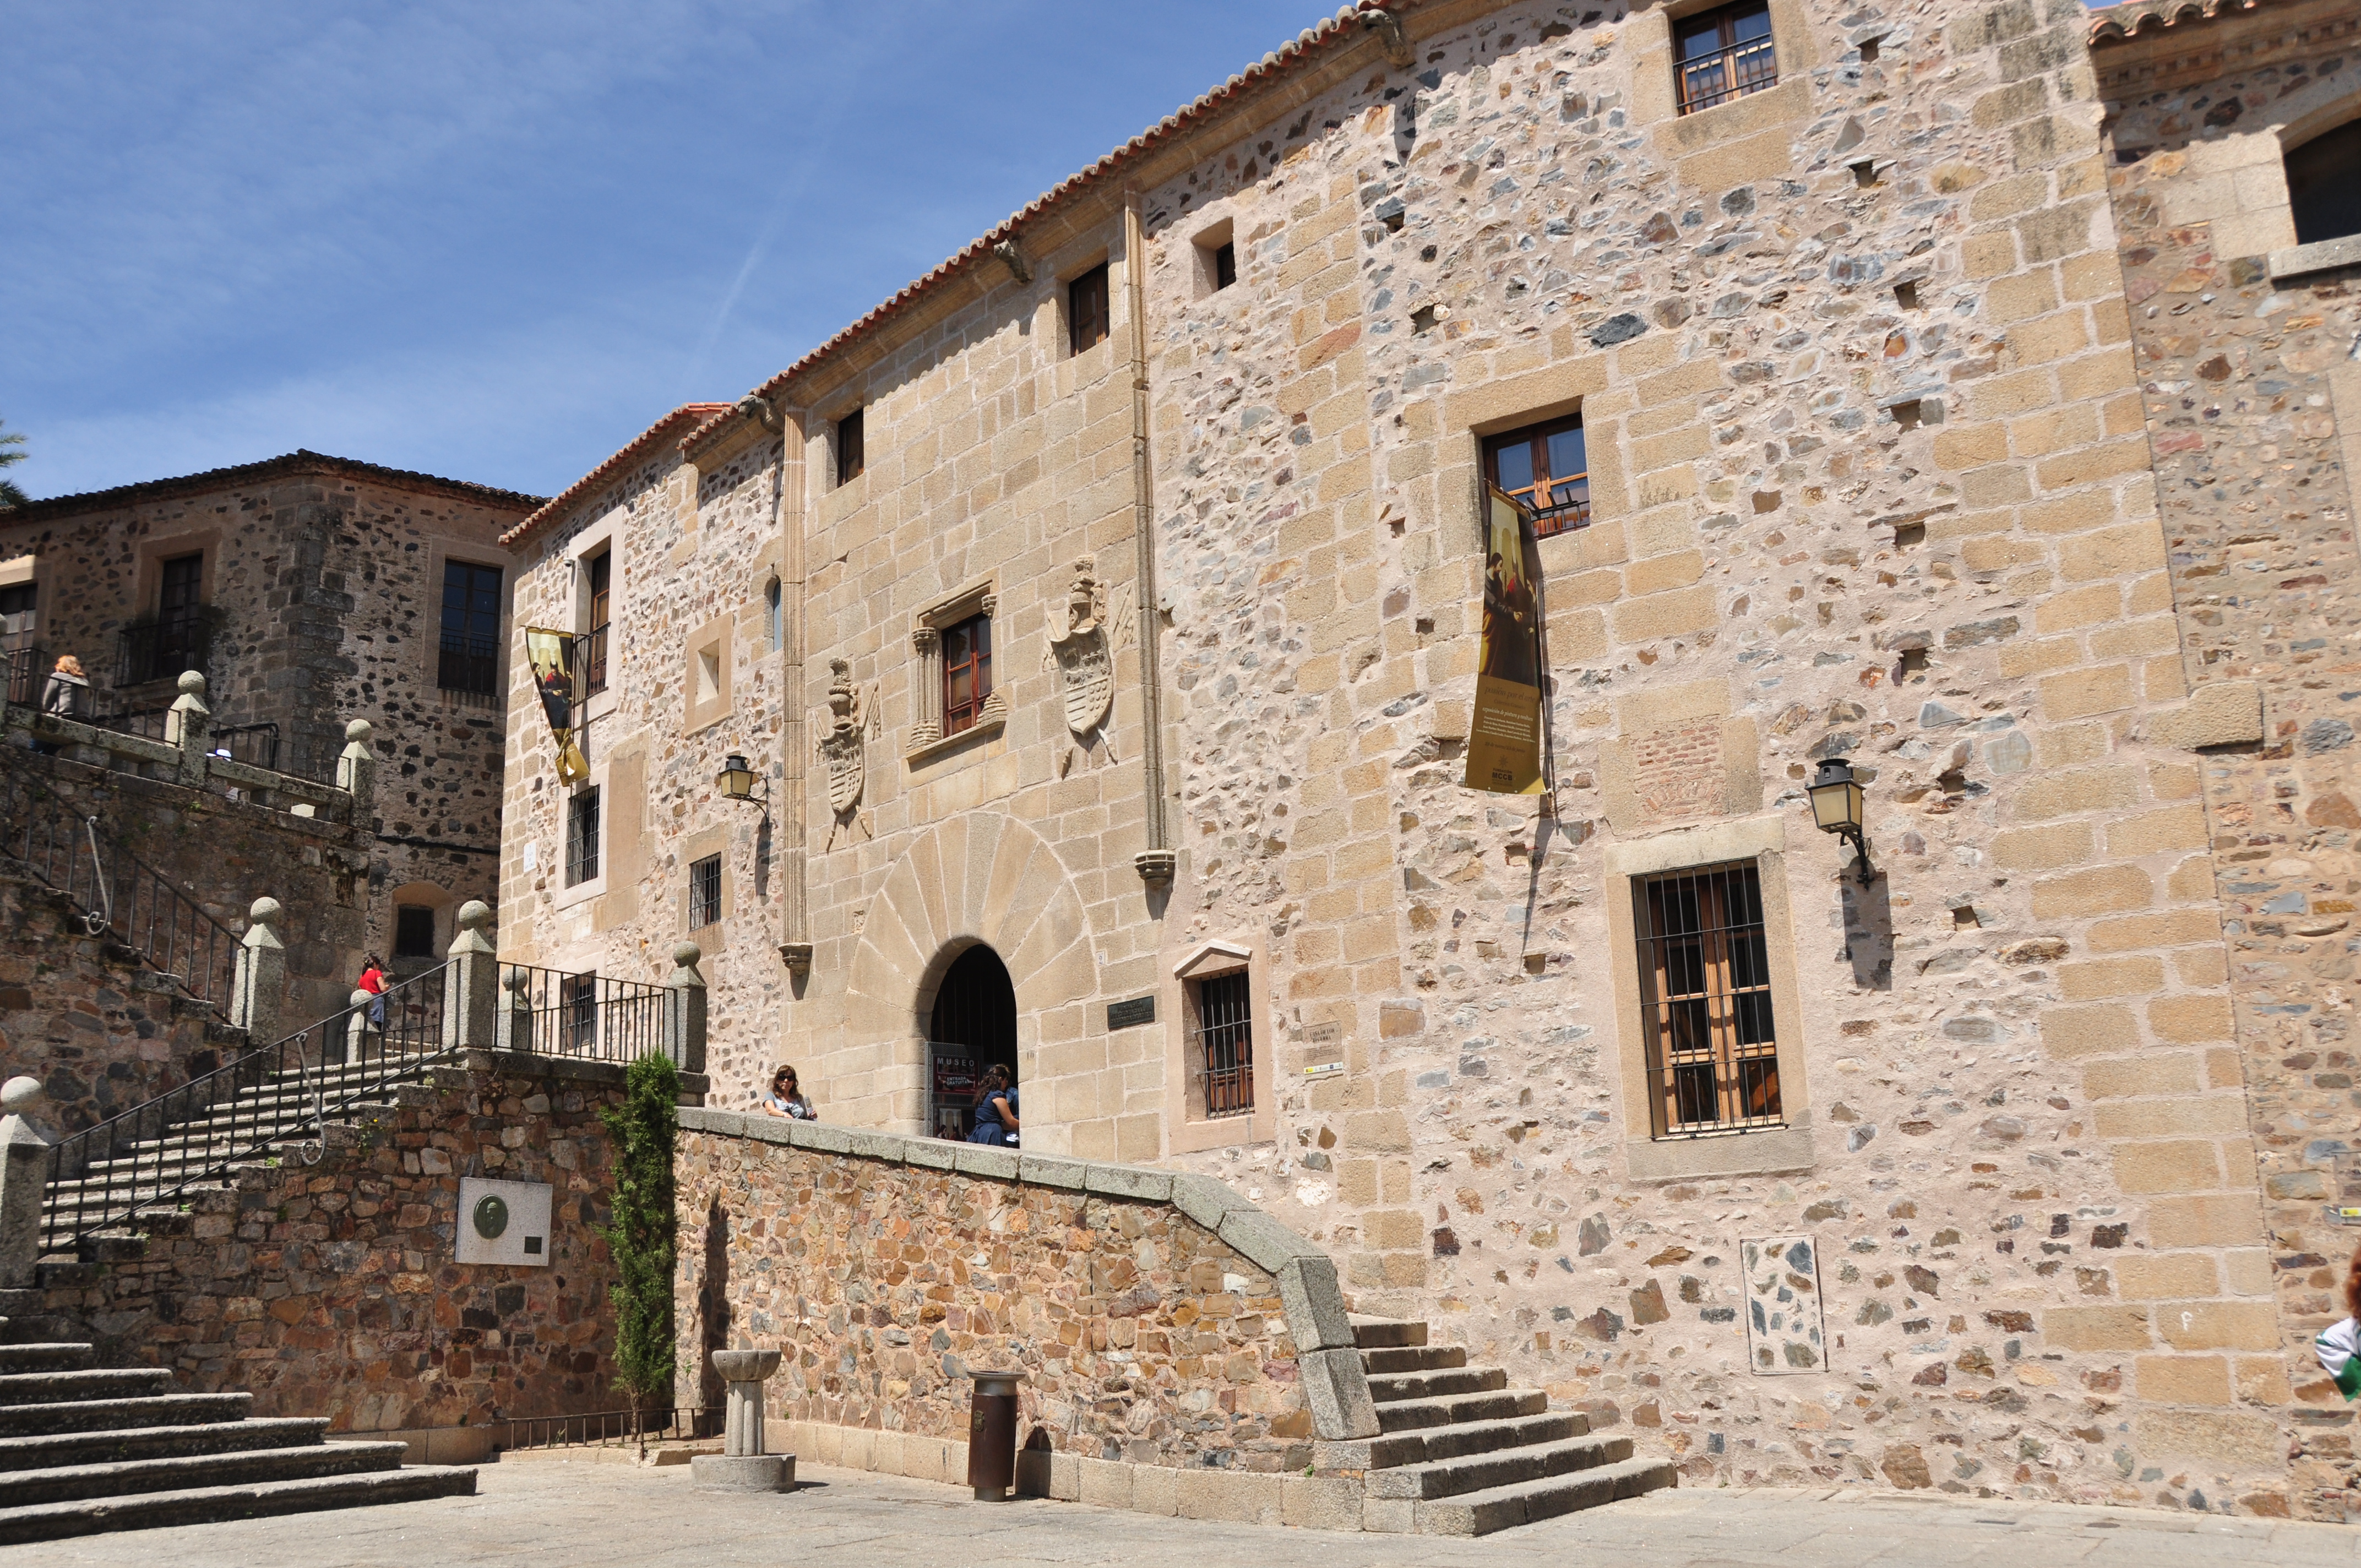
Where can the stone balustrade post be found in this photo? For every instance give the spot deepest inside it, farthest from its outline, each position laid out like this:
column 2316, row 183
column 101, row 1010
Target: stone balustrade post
column 190, row 726
column 260, row 979
column 23, row 1181
column 471, row 985
column 515, row 1021
column 356, row 773
column 685, row 1010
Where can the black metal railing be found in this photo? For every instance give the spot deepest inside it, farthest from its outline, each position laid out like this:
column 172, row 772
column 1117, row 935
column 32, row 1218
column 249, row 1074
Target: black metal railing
column 114, row 891
column 613, row 1429
column 277, row 1093
column 1225, row 1045
column 1747, row 66
column 162, row 649
column 27, row 665
column 594, row 661
column 469, row 664
column 256, row 745
column 590, row 1015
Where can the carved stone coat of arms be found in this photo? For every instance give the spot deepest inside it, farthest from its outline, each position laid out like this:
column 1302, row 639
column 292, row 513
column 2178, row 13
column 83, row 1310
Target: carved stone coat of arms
column 1084, row 656
column 843, row 746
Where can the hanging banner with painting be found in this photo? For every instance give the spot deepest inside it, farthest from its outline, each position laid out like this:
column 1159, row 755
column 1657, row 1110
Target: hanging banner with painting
column 551, row 654
column 1504, row 742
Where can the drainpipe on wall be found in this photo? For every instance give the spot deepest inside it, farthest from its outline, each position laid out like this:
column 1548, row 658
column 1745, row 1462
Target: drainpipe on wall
column 1155, row 863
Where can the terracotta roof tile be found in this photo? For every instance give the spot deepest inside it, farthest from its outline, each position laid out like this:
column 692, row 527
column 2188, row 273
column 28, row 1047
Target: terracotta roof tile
column 2118, row 23
column 638, row 447
column 300, row 461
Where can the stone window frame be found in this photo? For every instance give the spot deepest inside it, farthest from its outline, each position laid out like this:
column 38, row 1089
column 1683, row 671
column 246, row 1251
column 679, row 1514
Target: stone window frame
column 1204, row 246
column 604, row 537
column 1186, row 1129
column 927, row 741
column 1683, row 1157
column 1655, row 81
column 832, row 501
column 1067, row 282
column 715, row 642
column 440, row 552
column 39, row 573
column 1710, row 11
column 573, row 892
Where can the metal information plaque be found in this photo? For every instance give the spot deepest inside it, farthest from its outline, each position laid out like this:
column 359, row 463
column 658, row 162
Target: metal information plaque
column 1130, row 1014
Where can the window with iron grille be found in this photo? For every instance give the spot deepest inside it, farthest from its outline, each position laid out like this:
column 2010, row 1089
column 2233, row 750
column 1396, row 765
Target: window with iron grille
column 1086, row 310
column 471, row 629
column 1225, row 1041
column 967, row 671
column 582, row 837
column 599, row 582
column 1705, row 1000
column 705, row 891
column 177, row 639
column 1546, row 468
column 852, row 454
column 577, row 1011
column 413, row 931
column 1725, row 54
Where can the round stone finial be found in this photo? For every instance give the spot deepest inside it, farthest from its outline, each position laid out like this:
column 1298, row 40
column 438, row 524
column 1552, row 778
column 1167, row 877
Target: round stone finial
column 358, row 729
column 19, row 1095
column 515, row 979
column 685, row 954
column 192, row 682
column 265, row 912
column 475, row 915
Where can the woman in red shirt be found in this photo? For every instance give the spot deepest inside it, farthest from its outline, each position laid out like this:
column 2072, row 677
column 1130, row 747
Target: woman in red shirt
column 373, row 981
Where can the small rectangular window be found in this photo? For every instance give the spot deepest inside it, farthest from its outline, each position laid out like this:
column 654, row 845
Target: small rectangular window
column 577, row 1011
column 773, row 615
column 967, row 671
column 1705, row 1000
column 1224, row 1044
column 176, row 640
column 582, row 837
column 1725, row 54
column 16, row 602
column 705, row 891
column 599, row 583
column 1225, row 264
column 1086, row 310
column 413, row 931
column 1546, row 469
column 851, row 451
column 470, row 656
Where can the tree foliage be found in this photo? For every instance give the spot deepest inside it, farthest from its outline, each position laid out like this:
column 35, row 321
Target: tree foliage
column 12, row 451
column 642, row 1230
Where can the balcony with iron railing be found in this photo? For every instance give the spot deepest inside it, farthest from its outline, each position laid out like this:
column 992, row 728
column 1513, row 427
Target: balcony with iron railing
column 163, row 647
column 1749, row 65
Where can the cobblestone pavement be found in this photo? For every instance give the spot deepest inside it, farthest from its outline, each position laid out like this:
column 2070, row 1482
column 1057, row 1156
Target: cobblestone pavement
column 584, row 1515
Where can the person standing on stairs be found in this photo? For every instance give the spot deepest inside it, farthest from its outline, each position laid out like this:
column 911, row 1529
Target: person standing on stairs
column 66, row 695
column 373, row 981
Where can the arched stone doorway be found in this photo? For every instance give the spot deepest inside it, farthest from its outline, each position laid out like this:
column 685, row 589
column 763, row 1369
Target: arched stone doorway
column 970, row 1027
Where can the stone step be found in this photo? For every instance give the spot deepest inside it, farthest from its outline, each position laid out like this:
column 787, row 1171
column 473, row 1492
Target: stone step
column 114, row 1415
column 206, row 1505
column 44, row 1357
column 1528, row 1502
column 1417, row 1447
column 1501, row 1467
column 180, row 1473
column 1414, row 1358
column 52, row 1388
column 42, row 1450
column 1385, row 1334
column 1408, row 1415
column 1391, row 1389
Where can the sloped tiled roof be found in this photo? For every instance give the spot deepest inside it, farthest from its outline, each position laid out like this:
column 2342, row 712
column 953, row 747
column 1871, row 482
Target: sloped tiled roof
column 640, row 445
column 2117, row 22
column 300, row 461
column 1346, row 28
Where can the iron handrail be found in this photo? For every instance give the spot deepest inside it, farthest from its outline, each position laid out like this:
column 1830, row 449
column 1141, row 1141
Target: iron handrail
column 592, row 1016
column 274, row 1094
column 227, row 739
column 611, row 1429
column 144, row 909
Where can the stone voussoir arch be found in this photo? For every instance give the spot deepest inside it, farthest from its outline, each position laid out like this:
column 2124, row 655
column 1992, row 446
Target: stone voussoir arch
column 983, row 877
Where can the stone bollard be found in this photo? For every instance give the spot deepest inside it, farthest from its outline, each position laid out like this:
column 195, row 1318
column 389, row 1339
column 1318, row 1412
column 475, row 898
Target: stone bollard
column 356, row 773
column 742, row 1466
column 516, row 1032
column 190, row 726
column 260, row 979
column 471, row 986
column 685, row 1010
column 23, row 1181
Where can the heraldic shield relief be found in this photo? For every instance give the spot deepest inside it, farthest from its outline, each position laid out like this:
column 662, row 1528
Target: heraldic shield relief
column 842, row 747
column 1084, row 655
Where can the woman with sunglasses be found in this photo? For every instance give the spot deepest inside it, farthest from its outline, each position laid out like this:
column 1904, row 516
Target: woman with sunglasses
column 787, row 1098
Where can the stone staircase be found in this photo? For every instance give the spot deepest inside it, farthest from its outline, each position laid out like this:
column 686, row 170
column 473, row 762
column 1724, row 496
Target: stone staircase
column 1463, row 1453
column 86, row 1449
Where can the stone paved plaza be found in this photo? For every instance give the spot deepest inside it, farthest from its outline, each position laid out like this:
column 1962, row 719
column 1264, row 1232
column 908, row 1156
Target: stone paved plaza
column 583, row 1515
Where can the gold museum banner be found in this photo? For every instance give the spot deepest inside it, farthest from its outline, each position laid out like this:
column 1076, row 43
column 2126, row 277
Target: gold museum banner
column 1504, row 742
column 551, row 654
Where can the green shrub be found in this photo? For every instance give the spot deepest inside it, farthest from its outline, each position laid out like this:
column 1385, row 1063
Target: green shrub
column 643, row 1231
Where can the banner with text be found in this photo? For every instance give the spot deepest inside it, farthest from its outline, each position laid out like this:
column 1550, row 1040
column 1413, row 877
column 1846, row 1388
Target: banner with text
column 1504, row 741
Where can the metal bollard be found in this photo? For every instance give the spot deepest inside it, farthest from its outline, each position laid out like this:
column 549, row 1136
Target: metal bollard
column 992, row 1435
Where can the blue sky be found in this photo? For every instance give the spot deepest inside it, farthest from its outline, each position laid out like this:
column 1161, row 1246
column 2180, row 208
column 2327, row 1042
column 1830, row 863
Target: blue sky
column 493, row 242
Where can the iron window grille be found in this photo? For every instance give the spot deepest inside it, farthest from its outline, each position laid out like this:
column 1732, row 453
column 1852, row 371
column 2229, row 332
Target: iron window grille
column 471, row 658
column 705, row 891
column 1706, row 1007
column 1725, row 54
column 582, row 837
column 967, row 673
column 1545, row 469
column 1087, row 318
column 179, row 638
column 1225, row 1045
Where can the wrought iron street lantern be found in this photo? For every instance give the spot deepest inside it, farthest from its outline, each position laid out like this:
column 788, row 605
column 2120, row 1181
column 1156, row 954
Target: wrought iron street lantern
column 1836, row 809
column 736, row 780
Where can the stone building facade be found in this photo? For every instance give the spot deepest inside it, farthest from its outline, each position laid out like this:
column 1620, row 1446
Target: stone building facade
column 2003, row 1185
column 310, row 591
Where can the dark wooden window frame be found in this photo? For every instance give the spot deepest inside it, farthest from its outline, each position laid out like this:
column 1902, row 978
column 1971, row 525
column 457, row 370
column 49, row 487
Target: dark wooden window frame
column 599, row 584
column 962, row 713
column 852, row 446
column 468, row 652
column 1732, row 67
column 1559, row 502
column 1089, row 309
column 1707, row 1008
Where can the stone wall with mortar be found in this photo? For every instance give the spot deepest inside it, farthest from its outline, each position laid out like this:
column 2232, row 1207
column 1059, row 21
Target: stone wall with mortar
column 1154, row 1327
column 2254, row 410
column 327, row 1288
column 326, row 580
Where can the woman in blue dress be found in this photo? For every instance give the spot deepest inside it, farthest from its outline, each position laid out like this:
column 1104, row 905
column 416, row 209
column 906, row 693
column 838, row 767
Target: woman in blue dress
column 995, row 1108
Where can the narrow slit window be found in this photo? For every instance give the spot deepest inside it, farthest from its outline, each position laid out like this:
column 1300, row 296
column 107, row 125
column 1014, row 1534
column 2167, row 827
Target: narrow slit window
column 1706, row 1006
column 1225, row 264
column 1545, row 469
column 1087, row 321
column 582, row 837
column 1224, row 1044
column 967, row 673
column 705, row 891
column 1725, row 54
column 851, row 448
